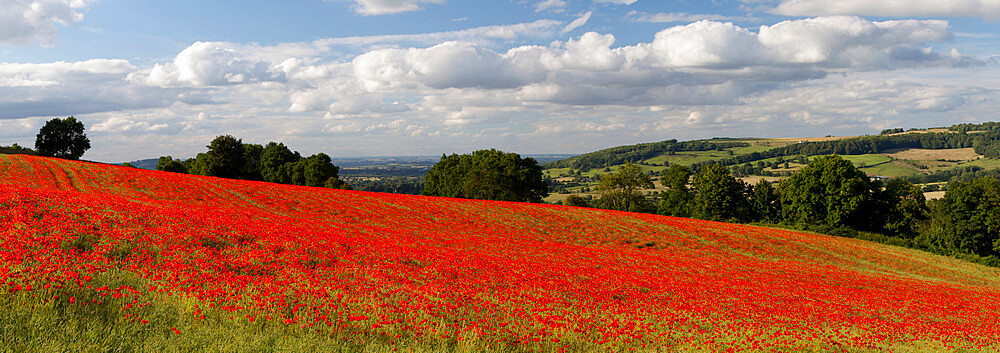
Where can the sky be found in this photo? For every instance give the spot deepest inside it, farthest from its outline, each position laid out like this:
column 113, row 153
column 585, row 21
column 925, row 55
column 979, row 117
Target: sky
column 424, row 77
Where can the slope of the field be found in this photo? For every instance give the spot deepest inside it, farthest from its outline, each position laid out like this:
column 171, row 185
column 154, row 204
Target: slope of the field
column 103, row 256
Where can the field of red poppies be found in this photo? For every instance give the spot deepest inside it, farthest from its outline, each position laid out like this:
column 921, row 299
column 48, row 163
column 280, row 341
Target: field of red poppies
column 124, row 259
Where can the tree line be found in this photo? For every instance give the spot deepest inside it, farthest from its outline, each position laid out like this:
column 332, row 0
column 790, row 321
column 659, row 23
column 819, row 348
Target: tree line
column 634, row 153
column 830, row 196
column 864, row 145
column 229, row 157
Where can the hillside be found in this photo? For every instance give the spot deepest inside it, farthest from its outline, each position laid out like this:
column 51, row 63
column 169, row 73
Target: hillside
column 927, row 157
column 96, row 255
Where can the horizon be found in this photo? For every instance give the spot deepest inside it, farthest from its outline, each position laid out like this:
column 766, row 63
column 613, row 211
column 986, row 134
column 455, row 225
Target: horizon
column 418, row 78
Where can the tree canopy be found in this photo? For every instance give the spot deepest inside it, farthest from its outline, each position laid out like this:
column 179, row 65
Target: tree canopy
column 62, row 138
column 620, row 190
column 487, row 175
column 718, row 196
column 829, row 191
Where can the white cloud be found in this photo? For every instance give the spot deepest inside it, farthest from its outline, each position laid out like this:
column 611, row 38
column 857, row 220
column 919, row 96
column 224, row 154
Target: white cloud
column 988, row 9
column 577, row 23
column 223, row 63
column 616, row 2
column 663, row 17
column 33, row 21
column 388, row 7
column 537, row 29
column 447, row 65
column 551, row 5
column 126, row 124
column 68, row 88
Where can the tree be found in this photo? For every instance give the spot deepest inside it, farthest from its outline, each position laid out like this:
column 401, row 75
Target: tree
column 252, row 154
column 718, row 196
column 316, row 170
column 576, row 200
column 169, row 164
column 675, row 201
column 968, row 217
column 621, row 190
column 904, row 207
column 62, row 138
column 487, row 175
column 273, row 161
column 766, row 202
column 829, row 191
column 225, row 158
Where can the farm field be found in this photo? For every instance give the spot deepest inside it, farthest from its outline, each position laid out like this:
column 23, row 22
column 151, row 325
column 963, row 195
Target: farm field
column 124, row 259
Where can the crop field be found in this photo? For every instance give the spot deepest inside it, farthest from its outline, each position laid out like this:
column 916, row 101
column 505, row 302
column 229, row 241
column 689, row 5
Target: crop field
column 100, row 257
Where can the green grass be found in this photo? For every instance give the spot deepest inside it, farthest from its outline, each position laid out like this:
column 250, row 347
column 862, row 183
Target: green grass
column 890, row 170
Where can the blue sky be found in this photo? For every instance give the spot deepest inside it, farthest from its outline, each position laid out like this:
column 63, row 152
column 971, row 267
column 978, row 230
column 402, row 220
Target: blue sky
column 425, row 77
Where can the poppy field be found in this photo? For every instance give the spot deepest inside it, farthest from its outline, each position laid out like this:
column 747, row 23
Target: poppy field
column 124, row 259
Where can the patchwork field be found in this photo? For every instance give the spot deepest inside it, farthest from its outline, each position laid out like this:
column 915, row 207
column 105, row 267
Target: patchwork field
column 99, row 257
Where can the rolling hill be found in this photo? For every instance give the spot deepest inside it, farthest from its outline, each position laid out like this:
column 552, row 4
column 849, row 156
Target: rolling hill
column 124, row 259
column 919, row 154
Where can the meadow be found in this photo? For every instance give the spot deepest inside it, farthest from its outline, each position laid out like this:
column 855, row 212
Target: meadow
column 107, row 258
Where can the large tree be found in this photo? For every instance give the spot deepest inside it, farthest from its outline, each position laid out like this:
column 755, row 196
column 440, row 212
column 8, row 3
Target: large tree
column 904, row 207
column 968, row 217
column 274, row 160
column 718, row 196
column 169, row 164
column 225, row 158
column 62, row 138
column 676, row 200
column 621, row 190
column 487, row 175
column 829, row 191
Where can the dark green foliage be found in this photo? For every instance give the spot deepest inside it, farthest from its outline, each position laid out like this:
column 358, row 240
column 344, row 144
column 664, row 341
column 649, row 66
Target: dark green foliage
column 677, row 200
column 127, row 164
column 273, row 161
column 718, row 196
column 394, row 185
column 17, row 149
column 225, row 158
column 829, row 191
column 903, row 208
column 968, row 217
column 765, row 202
column 251, row 161
column 169, row 164
column 891, row 131
column 229, row 157
column 621, row 190
column 487, row 175
column 313, row 171
column 620, row 155
column 576, row 200
column 62, row 138
column 676, row 177
column 336, row 183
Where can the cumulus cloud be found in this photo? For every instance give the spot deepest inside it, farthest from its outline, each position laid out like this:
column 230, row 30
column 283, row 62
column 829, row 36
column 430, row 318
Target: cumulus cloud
column 67, row 88
column 33, row 21
column 447, row 65
column 388, row 7
column 223, row 63
column 988, row 9
column 126, row 124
